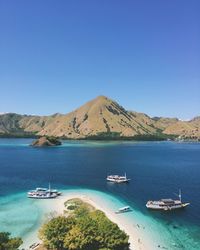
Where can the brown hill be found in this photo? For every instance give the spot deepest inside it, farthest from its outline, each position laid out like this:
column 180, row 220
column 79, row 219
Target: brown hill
column 185, row 130
column 101, row 115
column 15, row 124
column 162, row 122
column 98, row 116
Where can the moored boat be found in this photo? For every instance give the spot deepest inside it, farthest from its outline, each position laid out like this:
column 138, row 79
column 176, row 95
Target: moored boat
column 123, row 210
column 43, row 193
column 167, row 204
column 118, row 178
column 39, row 189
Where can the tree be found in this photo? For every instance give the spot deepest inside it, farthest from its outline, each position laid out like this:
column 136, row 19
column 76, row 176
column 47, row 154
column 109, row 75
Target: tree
column 83, row 235
column 76, row 240
column 53, row 232
column 9, row 243
column 85, row 229
column 108, row 234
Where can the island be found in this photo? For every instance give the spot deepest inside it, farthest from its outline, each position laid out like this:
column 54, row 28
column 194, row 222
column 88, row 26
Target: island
column 84, row 227
column 46, row 141
column 82, row 220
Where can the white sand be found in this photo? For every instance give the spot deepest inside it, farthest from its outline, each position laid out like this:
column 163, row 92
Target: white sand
column 143, row 234
column 135, row 232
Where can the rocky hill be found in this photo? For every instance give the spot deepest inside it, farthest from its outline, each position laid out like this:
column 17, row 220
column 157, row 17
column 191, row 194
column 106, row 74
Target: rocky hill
column 46, row 141
column 22, row 125
column 185, row 130
column 99, row 117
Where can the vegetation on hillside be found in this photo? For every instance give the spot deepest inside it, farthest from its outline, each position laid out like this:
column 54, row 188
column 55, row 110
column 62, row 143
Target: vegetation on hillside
column 53, row 139
column 143, row 137
column 84, row 228
column 8, row 243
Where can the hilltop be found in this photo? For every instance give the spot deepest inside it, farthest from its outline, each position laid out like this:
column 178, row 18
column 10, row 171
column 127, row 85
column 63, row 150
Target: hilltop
column 99, row 118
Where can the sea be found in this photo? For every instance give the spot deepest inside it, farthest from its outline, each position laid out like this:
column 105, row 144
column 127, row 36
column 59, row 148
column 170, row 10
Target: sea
column 156, row 169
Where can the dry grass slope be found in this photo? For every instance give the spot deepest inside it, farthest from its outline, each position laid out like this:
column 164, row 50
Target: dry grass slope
column 100, row 115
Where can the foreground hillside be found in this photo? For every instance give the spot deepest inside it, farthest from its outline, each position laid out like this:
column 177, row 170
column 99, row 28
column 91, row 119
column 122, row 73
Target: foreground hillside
column 99, row 118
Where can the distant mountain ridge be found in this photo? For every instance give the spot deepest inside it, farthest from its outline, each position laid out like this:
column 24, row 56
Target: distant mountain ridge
column 100, row 117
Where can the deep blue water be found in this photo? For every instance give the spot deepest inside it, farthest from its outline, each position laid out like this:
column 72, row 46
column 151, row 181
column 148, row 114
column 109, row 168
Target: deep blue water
column 157, row 170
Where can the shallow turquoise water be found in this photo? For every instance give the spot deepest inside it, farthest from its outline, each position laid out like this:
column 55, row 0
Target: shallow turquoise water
column 157, row 170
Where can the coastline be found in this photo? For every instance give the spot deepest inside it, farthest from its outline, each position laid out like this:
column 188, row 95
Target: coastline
column 139, row 237
column 59, row 208
column 71, row 165
column 145, row 232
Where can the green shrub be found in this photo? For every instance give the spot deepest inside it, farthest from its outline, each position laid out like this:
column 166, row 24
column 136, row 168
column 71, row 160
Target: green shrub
column 84, row 229
column 7, row 243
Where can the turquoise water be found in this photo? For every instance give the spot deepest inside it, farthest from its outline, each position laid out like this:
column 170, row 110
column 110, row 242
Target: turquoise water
column 157, row 170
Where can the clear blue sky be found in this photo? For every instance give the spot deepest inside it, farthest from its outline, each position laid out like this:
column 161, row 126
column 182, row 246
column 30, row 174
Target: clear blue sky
column 56, row 55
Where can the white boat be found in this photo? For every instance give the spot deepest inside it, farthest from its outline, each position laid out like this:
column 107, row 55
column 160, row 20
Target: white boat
column 123, row 210
column 43, row 193
column 167, row 204
column 117, row 178
column 39, row 189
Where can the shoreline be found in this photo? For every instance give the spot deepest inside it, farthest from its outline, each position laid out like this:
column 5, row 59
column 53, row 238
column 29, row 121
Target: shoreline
column 145, row 232
column 93, row 202
column 139, row 237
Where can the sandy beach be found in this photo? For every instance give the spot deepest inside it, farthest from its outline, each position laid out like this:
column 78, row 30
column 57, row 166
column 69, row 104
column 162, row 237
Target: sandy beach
column 137, row 233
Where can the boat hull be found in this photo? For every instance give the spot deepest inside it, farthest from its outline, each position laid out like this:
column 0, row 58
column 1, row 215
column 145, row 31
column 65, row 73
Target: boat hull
column 118, row 181
column 43, row 193
column 122, row 212
column 42, row 197
column 167, row 208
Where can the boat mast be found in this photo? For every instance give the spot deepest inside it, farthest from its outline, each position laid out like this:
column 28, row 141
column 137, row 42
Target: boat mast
column 179, row 195
column 49, row 186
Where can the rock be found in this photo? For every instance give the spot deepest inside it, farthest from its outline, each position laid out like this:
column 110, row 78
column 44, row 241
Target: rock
column 46, row 142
